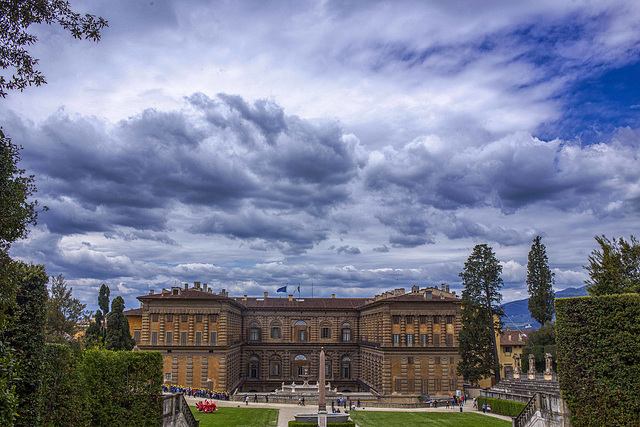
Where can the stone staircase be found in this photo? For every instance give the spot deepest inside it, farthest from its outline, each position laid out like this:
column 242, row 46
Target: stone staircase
column 525, row 387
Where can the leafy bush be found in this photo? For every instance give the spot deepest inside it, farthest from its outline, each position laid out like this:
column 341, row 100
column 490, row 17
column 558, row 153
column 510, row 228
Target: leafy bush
column 598, row 365
column 502, row 407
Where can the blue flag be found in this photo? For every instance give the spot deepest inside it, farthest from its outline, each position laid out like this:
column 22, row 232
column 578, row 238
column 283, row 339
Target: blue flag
column 282, row 289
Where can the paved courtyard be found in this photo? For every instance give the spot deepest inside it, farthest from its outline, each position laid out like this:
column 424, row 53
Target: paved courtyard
column 287, row 411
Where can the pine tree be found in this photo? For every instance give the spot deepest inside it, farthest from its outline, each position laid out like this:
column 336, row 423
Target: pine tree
column 616, row 268
column 481, row 314
column 118, row 336
column 63, row 312
column 540, row 282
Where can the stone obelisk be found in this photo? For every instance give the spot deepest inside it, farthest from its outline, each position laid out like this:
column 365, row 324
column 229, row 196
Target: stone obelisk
column 322, row 404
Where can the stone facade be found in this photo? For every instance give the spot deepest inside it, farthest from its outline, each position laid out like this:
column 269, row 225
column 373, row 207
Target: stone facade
column 394, row 343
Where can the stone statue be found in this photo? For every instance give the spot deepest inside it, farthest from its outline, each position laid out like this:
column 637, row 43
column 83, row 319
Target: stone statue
column 548, row 358
column 532, row 364
column 517, row 369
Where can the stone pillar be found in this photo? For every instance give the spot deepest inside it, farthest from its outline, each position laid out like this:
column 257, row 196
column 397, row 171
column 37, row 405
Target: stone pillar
column 548, row 372
column 322, row 404
column 532, row 367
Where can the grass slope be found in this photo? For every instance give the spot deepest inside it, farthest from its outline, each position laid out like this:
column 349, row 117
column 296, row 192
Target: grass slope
column 237, row 417
column 419, row 419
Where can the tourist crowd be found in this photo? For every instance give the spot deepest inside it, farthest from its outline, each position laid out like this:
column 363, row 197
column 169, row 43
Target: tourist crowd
column 196, row 392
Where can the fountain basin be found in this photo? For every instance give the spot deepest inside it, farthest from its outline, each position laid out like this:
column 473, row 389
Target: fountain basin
column 313, row 418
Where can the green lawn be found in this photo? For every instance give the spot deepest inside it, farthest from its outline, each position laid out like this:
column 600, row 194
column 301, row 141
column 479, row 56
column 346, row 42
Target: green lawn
column 416, row 419
column 237, row 417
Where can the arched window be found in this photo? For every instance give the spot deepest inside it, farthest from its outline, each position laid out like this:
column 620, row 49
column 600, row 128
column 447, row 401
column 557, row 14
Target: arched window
column 346, row 367
column 276, row 330
column 253, row 367
column 254, row 331
column 275, row 367
column 346, row 332
column 300, row 366
column 300, row 328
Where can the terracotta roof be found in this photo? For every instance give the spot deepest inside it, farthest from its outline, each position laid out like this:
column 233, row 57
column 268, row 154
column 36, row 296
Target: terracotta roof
column 133, row 312
column 185, row 294
column 412, row 297
column 302, row 303
column 514, row 337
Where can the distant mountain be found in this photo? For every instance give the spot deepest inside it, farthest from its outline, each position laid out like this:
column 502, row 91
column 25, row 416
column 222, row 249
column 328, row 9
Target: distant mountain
column 517, row 312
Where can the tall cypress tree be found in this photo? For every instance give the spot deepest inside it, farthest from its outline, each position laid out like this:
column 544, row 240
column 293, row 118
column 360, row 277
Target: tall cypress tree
column 118, row 336
column 540, row 282
column 481, row 299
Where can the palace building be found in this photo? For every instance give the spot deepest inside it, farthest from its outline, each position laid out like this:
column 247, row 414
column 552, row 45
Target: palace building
column 396, row 343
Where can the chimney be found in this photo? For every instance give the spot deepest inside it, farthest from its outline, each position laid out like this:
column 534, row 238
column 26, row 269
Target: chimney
column 196, row 285
column 442, row 285
column 266, row 294
column 508, row 328
column 333, row 295
column 415, row 288
column 290, row 297
column 447, row 288
column 204, row 287
column 186, row 286
column 245, row 298
column 151, row 292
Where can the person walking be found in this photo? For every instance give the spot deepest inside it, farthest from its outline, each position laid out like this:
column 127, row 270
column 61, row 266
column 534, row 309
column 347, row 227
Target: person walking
column 246, row 399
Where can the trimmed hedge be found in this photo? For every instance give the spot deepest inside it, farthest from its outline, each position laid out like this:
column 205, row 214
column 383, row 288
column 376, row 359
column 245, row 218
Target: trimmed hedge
column 65, row 397
column 347, row 424
column 124, row 387
column 101, row 388
column 598, row 341
column 502, row 407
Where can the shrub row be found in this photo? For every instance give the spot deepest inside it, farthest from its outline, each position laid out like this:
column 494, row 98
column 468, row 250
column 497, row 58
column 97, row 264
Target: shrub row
column 502, row 407
column 598, row 340
column 101, row 387
column 298, row 424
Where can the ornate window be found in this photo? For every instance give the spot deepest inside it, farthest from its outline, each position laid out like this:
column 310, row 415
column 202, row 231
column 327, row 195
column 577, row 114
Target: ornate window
column 346, row 367
column 254, row 331
column 301, row 330
column 253, row 367
column 346, row 332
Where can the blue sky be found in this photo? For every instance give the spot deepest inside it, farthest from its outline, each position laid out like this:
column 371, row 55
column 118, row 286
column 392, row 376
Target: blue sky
column 358, row 146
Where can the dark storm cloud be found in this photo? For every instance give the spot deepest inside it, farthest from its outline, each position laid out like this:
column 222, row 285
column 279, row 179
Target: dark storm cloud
column 251, row 173
column 351, row 250
column 250, row 224
column 510, row 174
